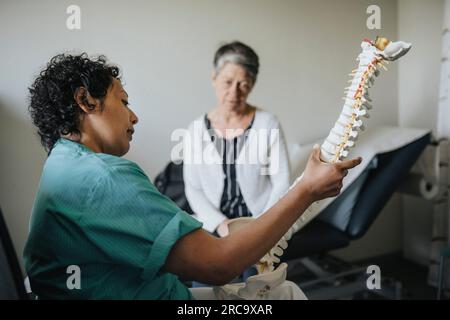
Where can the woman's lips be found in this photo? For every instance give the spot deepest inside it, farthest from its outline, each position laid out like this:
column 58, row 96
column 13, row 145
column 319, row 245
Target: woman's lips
column 130, row 134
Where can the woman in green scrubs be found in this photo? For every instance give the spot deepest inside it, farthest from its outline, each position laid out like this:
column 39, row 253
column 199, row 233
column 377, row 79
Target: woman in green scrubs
column 100, row 229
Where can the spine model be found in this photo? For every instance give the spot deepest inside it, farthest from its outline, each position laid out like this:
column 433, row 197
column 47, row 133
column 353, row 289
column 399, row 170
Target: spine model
column 343, row 135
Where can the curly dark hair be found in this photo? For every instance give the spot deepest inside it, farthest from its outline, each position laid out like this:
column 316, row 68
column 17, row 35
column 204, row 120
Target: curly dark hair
column 53, row 108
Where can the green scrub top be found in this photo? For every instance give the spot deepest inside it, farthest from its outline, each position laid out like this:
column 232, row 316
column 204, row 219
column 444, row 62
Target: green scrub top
column 101, row 230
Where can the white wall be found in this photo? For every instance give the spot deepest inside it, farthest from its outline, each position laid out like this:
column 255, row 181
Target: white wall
column 421, row 23
column 165, row 49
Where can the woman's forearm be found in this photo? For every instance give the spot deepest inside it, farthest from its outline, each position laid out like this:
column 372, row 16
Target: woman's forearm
column 247, row 245
column 202, row 257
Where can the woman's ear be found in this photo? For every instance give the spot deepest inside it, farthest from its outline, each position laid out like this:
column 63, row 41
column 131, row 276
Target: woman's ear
column 84, row 100
column 213, row 78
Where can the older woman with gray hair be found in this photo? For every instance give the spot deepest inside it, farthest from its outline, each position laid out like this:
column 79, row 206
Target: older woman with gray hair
column 244, row 168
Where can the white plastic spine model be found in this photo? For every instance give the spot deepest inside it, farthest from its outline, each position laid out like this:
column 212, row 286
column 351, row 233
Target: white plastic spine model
column 346, row 129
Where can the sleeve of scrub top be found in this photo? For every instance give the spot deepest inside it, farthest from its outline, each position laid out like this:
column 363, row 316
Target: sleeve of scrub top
column 131, row 221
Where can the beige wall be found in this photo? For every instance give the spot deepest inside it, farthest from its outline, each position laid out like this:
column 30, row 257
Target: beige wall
column 420, row 22
column 165, row 49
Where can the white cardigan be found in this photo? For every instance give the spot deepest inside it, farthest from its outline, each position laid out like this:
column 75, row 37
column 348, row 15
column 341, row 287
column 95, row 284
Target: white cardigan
column 261, row 171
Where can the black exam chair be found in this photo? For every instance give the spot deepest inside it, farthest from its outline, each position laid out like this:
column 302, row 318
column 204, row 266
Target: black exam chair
column 11, row 280
column 319, row 237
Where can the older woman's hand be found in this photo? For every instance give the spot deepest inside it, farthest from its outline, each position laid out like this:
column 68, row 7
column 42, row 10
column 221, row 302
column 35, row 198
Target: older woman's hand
column 324, row 180
column 222, row 230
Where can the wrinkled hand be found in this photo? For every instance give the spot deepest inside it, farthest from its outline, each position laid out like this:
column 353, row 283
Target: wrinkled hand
column 222, row 229
column 324, row 180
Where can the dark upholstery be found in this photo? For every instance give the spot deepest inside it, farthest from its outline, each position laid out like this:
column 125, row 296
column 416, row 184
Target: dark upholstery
column 380, row 185
column 315, row 237
column 11, row 280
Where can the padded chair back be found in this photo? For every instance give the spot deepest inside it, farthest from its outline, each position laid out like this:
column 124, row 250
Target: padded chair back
column 381, row 184
column 11, row 280
column 170, row 183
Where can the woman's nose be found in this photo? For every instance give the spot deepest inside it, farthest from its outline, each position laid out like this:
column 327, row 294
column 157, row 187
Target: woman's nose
column 134, row 118
column 234, row 91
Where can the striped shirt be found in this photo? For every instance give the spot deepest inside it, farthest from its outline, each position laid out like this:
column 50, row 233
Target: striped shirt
column 232, row 203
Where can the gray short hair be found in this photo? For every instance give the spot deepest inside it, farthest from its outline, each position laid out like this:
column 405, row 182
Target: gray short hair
column 240, row 54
